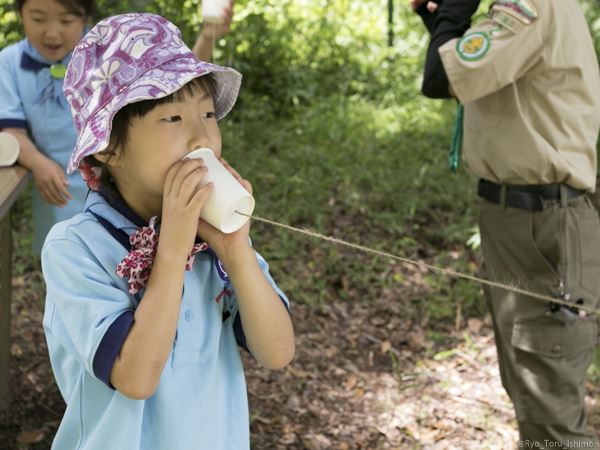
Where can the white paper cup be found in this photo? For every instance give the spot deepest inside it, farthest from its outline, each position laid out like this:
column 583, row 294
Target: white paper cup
column 227, row 197
column 9, row 149
column 214, row 10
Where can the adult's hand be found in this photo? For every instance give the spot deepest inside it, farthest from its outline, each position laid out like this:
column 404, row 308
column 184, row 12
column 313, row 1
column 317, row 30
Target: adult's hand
column 431, row 6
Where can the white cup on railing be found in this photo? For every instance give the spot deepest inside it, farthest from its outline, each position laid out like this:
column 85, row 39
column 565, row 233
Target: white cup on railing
column 9, row 149
column 227, row 197
column 214, row 10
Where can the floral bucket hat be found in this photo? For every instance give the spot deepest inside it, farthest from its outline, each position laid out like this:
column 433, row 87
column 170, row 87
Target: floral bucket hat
column 126, row 59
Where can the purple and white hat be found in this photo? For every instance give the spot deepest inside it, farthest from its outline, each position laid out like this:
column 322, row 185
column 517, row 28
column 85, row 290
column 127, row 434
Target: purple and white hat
column 125, row 59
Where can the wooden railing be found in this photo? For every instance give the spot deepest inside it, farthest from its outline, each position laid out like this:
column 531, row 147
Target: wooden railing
column 12, row 181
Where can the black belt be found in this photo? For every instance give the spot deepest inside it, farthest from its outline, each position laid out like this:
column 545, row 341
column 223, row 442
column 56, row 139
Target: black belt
column 530, row 197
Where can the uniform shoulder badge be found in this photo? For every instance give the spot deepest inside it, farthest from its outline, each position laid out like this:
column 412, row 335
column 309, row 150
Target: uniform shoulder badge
column 473, row 46
column 523, row 11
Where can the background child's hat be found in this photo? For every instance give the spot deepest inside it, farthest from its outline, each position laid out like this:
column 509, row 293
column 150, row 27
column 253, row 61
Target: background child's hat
column 125, row 59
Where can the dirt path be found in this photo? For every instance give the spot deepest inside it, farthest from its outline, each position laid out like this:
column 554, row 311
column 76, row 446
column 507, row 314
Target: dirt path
column 365, row 377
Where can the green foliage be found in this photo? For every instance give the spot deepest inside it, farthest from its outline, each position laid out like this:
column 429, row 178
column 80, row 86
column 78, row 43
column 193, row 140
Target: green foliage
column 591, row 9
column 10, row 25
column 296, row 53
column 334, row 135
column 185, row 14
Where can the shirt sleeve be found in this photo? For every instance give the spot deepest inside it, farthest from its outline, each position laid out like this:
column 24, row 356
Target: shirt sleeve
column 450, row 21
column 12, row 114
column 493, row 54
column 427, row 17
column 92, row 315
column 234, row 309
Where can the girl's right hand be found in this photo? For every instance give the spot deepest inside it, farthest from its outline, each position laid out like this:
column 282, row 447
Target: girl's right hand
column 51, row 181
column 182, row 202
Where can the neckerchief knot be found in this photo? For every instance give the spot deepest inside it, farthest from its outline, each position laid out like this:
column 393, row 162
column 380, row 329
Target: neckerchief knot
column 137, row 265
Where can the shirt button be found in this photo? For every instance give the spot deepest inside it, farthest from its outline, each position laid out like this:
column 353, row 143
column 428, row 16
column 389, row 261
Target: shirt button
column 556, row 348
column 189, row 315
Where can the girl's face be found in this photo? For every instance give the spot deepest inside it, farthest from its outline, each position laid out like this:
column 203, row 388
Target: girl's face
column 52, row 30
column 159, row 139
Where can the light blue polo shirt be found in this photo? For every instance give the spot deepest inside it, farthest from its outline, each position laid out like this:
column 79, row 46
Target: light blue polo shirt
column 30, row 98
column 201, row 400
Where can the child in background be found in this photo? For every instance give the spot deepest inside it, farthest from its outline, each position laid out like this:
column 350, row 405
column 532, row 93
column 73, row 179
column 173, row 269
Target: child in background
column 142, row 330
column 34, row 110
column 33, row 107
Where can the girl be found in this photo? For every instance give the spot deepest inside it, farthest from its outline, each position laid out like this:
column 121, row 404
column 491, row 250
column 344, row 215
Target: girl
column 33, row 107
column 34, row 110
column 142, row 331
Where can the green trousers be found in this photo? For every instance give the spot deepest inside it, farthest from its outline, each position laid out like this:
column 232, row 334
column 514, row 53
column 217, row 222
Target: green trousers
column 544, row 351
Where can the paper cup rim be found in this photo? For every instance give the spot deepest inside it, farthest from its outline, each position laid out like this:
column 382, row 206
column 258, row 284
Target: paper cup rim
column 194, row 153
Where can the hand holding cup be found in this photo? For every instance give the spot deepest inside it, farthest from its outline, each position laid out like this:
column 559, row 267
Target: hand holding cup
column 228, row 197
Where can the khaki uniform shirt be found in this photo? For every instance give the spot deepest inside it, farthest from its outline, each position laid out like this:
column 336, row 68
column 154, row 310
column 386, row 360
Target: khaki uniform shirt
column 531, row 92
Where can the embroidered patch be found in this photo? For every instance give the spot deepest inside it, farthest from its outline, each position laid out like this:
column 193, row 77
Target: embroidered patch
column 473, row 46
column 522, row 10
column 507, row 21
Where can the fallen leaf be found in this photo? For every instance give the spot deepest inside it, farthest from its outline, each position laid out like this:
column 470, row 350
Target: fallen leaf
column 385, row 346
column 322, row 440
column 17, row 282
column 350, row 382
column 474, row 325
column 30, row 437
column 293, row 402
column 16, row 351
column 416, row 339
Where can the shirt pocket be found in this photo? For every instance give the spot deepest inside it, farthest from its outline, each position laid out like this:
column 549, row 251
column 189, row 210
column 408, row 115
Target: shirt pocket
column 547, row 350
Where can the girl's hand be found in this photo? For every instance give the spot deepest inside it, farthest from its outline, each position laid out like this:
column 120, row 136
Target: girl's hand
column 226, row 246
column 214, row 31
column 51, row 181
column 182, row 202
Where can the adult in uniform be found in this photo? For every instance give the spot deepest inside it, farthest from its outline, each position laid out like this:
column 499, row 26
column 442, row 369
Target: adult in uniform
column 527, row 77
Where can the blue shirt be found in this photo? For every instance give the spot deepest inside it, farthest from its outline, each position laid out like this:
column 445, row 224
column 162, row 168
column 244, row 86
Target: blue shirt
column 30, row 98
column 201, row 400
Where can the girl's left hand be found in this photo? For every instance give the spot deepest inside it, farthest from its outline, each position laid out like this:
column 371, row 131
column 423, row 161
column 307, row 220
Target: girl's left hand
column 226, row 245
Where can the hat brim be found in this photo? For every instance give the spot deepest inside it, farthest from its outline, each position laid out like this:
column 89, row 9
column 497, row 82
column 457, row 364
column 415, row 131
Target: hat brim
column 157, row 83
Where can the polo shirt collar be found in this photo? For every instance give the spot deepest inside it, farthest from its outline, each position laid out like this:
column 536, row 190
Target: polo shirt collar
column 33, row 60
column 111, row 206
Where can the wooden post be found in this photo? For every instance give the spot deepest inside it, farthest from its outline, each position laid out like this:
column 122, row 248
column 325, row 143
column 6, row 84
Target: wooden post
column 5, row 300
